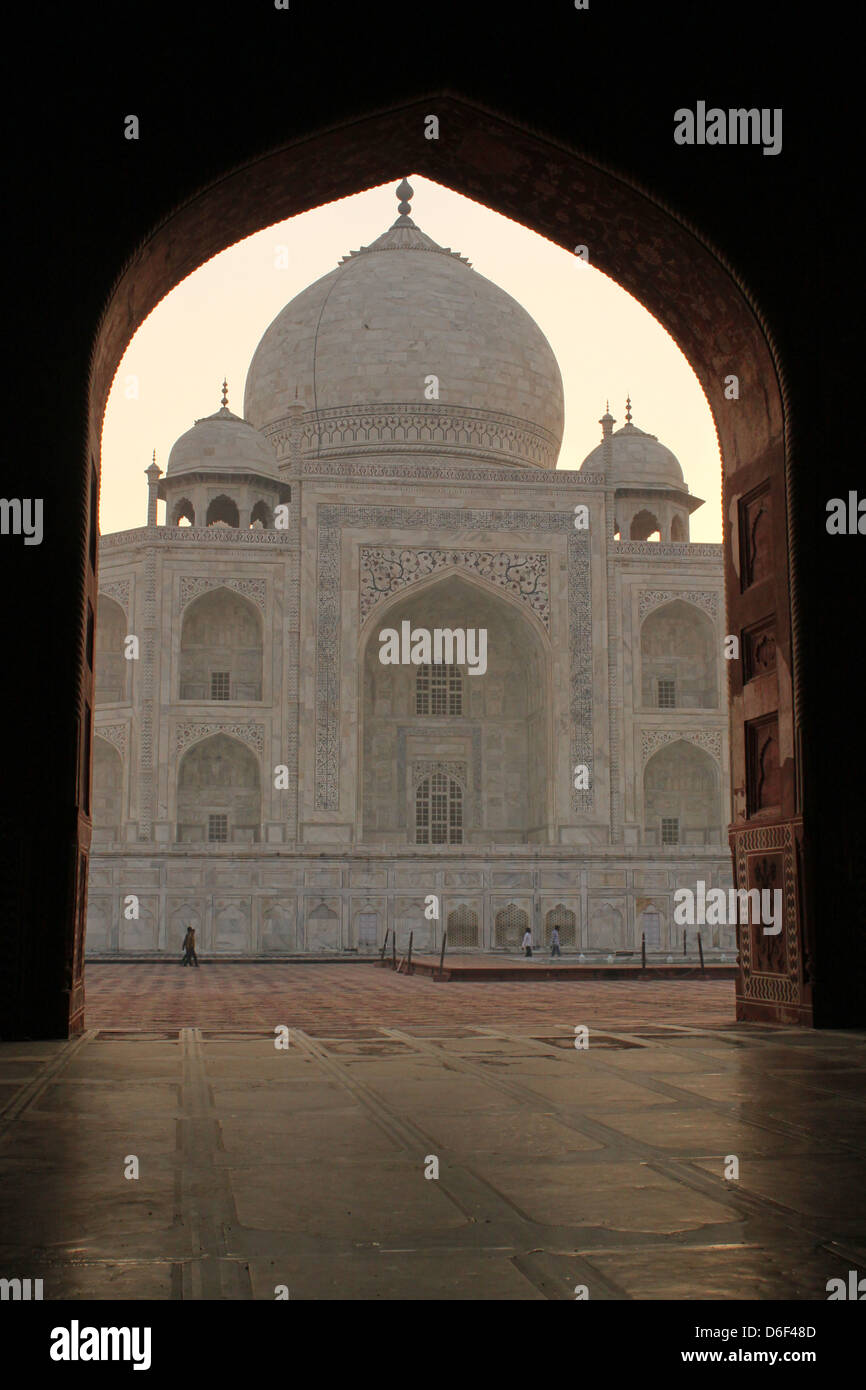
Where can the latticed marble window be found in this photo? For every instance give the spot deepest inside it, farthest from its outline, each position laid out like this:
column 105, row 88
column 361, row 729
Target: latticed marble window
column 667, row 694
column 439, row 811
column 219, row 685
column 670, row 830
column 563, row 918
column 462, row 927
column 439, row 690
column 510, row 924
column 217, row 828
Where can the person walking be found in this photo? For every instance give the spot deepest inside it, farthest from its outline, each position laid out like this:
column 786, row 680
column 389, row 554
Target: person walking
column 527, row 942
column 189, row 955
column 554, row 944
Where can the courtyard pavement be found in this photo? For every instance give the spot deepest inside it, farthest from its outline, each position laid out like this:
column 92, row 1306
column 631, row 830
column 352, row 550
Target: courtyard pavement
column 314, row 1167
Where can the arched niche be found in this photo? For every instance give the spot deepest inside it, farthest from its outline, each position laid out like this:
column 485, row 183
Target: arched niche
column 221, row 648
column 111, row 667
column 682, row 801
column 565, row 920
column 107, row 791
column 261, row 517
column 650, row 927
column 509, row 925
column 679, row 658
column 606, row 926
column 496, row 748
column 223, row 511
column 183, row 513
column 323, row 928
column 219, row 796
column 645, row 526
column 462, row 927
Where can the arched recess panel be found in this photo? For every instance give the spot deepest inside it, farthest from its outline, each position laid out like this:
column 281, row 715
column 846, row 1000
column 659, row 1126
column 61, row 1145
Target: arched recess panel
column 678, row 658
column 221, row 649
column 682, row 797
column 219, row 798
column 489, row 737
column 106, row 792
column 112, row 668
column 509, row 926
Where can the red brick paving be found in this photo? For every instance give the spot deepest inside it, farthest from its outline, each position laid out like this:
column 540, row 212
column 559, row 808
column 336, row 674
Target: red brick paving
column 321, row 999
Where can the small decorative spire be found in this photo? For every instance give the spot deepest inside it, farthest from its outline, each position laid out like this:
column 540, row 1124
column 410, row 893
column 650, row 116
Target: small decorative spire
column 628, row 410
column 225, row 400
column 404, row 192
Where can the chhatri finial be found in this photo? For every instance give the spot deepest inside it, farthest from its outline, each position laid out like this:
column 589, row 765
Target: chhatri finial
column 225, row 400
column 628, row 410
column 404, row 193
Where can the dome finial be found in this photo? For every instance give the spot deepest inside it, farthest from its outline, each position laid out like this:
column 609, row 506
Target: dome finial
column 628, row 410
column 404, row 192
column 225, row 400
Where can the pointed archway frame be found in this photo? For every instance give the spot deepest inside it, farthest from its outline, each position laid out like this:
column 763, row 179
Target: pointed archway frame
column 680, row 278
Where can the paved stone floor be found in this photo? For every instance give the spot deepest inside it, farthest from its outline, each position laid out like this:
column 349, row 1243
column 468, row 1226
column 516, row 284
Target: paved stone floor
column 332, row 997
column 305, row 1167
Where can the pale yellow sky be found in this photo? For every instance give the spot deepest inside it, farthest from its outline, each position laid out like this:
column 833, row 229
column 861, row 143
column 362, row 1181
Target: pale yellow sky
column 208, row 327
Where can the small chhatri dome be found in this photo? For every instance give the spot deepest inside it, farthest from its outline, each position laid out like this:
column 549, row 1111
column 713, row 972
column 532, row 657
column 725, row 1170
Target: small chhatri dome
column 222, row 443
column 357, row 350
column 637, row 459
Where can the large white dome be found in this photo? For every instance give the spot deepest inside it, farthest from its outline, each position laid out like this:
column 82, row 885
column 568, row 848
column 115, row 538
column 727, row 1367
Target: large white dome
column 345, row 364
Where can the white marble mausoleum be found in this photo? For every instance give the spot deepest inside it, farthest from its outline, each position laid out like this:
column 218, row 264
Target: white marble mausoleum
column 261, row 775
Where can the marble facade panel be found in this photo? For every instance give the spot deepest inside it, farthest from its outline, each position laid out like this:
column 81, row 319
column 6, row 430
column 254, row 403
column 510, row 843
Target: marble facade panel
column 511, row 878
column 231, row 925
column 141, row 933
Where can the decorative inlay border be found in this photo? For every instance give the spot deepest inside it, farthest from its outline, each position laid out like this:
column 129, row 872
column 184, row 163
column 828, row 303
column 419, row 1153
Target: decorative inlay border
column 426, row 767
column 250, row 733
column 676, row 550
column 216, row 535
column 782, row 989
column 413, row 428
column 117, row 734
column 385, row 571
column 411, row 468
column 118, row 589
column 191, row 587
column 651, row 740
column 149, row 714
column 707, row 599
column 331, row 518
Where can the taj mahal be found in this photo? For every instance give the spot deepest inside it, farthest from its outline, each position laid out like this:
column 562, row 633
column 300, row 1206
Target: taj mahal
column 260, row 774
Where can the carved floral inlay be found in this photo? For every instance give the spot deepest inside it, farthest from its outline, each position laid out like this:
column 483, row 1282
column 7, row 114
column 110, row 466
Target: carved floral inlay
column 386, row 570
column 249, row 733
column 707, row 599
column 651, row 740
column 191, row 586
column 116, row 734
